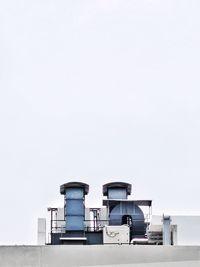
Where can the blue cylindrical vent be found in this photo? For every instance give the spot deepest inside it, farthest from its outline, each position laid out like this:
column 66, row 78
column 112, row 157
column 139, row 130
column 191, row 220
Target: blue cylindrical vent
column 117, row 190
column 74, row 205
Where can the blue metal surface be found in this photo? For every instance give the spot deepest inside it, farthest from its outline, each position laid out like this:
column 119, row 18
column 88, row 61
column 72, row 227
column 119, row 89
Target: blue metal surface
column 120, row 185
column 74, row 209
column 117, row 193
column 74, row 223
column 74, row 193
column 125, row 213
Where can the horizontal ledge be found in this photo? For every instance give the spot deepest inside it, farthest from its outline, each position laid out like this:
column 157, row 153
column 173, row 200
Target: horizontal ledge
column 73, row 238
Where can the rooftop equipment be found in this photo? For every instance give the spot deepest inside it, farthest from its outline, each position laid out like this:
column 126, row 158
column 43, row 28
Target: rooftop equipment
column 119, row 221
column 166, row 230
column 123, row 211
column 74, row 214
column 74, row 207
column 117, row 190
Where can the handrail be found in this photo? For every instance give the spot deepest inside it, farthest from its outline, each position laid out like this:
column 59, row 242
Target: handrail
column 58, row 226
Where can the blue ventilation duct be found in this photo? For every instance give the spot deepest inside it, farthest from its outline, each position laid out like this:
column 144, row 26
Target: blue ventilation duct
column 74, row 208
column 117, row 190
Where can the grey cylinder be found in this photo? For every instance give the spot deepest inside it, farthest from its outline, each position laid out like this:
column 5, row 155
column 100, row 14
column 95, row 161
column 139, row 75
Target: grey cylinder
column 166, row 230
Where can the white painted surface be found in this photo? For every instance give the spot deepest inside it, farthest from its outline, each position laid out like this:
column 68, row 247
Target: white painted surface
column 187, row 230
column 87, row 222
column 96, row 256
column 156, row 264
column 103, row 214
column 41, row 237
column 116, row 234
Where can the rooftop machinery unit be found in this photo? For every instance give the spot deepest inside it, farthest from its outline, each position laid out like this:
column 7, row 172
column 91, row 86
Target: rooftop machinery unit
column 74, row 215
column 119, row 221
column 74, row 207
column 123, row 211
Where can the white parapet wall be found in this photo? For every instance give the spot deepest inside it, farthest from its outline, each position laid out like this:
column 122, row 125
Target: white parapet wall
column 41, row 235
column 187, row 229
column 101, row 255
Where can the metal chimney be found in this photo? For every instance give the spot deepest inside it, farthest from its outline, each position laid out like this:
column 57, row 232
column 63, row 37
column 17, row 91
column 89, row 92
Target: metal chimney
column 166, row 230
column 74, row 209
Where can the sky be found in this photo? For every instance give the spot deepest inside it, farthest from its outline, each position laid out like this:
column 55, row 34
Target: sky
column 97, row 91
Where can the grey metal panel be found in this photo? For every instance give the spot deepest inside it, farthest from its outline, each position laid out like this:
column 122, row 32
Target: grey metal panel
column 143, row 202
column 166, row 230
column 94, row 238
column 147, row 203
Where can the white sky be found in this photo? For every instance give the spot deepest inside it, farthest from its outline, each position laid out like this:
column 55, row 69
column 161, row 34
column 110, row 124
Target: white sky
column 97, row 91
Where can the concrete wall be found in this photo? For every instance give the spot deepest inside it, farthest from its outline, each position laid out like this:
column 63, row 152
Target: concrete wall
column 188, row 229
column 104, row 255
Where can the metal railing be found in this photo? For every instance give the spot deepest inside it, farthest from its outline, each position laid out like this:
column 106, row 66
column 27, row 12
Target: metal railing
column 58, row 226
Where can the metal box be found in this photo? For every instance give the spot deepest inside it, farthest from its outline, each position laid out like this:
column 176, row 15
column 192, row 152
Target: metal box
column 114, row 234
